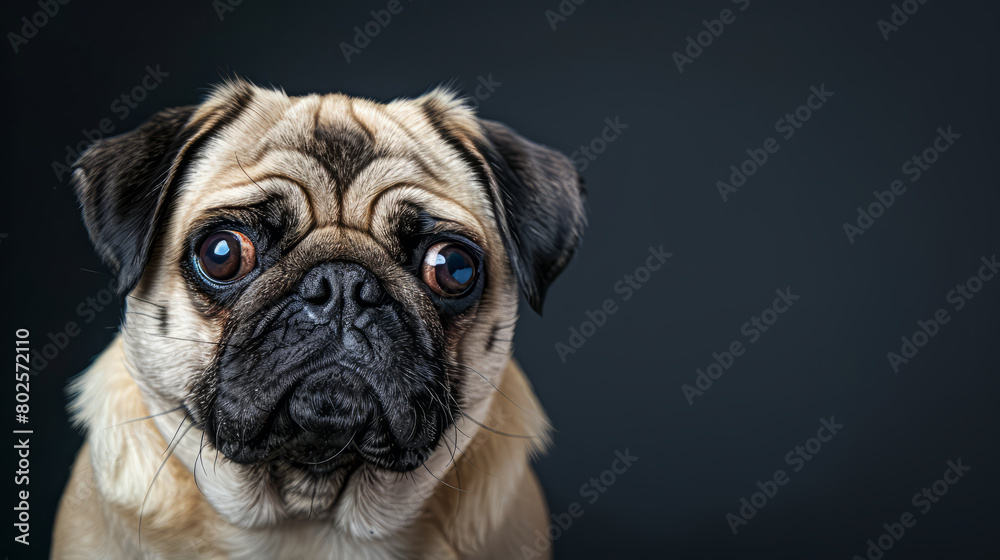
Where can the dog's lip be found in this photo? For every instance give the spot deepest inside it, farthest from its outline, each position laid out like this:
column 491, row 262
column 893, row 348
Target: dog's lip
column 401, row 457
column 346, row 457
column 353, row 456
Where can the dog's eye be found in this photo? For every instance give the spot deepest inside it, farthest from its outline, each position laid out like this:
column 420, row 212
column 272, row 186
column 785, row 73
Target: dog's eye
column 448, row 269
column 226, row 256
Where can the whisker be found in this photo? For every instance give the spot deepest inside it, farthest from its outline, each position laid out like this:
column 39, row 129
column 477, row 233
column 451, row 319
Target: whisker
column 312, row 501
column 454, row 446
column 505, row 395
column 93, row 271
column 451, row 415
column 190, row 339
column 451, row 419
column 447, row 393
column 147, row 301
column 416, row 419
column 186, row 416
column 157, row 474
column 215, row 464
column 203, row 445
column 458, row 502
column 176, row 408
column 494, row 430
column 424, row 465
column 498, row 432
column 248, row 176
column 467, row 459
column 194, row 467
column 335, row 454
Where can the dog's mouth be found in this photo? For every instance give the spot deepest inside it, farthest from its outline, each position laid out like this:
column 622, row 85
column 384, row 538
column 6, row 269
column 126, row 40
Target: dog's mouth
column 323, row 424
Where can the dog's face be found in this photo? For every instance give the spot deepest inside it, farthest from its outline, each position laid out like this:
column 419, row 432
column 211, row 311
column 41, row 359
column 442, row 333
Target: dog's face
column 325, row 285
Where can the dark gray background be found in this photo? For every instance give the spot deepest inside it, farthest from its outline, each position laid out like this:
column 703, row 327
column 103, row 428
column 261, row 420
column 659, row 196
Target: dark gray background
column 654, row 185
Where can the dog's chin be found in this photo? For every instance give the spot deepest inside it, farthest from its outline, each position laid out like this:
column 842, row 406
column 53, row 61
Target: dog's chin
column 314, row 489
column 308, row 472
column 304, row 490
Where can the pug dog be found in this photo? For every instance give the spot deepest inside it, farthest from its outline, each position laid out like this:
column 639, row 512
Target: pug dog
column 315, row 359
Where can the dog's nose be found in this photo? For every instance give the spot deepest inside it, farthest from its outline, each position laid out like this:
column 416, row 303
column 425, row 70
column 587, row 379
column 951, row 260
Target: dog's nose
column 340, row 288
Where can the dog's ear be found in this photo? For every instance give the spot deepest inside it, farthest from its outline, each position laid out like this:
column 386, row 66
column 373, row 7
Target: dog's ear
column 542, row 200
column 120, row 183
column 124, row 183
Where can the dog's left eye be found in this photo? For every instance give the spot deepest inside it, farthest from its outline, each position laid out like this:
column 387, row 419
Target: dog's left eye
column 226, row 256
column 449, row 269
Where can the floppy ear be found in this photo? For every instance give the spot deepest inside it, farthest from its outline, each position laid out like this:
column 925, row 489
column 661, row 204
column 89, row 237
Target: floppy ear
column 121, row 185
column 542, row 197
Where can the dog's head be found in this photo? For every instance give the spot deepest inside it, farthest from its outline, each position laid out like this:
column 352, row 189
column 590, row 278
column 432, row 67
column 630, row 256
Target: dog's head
column 322, row 282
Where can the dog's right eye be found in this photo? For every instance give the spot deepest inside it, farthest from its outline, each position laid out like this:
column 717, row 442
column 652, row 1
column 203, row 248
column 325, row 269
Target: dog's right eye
column 449, row 269
column 226, row 256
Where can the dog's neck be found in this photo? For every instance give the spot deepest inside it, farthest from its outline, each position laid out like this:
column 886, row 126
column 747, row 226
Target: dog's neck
column 491, row 470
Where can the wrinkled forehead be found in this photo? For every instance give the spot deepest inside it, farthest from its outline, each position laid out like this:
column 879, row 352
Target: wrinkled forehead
column 336, row 161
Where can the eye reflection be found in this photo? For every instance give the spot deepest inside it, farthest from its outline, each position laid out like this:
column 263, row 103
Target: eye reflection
column 226, row 256
column 449, row 269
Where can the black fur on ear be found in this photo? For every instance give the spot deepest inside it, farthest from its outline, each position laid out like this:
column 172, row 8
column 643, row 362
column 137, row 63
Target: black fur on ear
column 124, row 184
column 542, row 198
column 121, row 185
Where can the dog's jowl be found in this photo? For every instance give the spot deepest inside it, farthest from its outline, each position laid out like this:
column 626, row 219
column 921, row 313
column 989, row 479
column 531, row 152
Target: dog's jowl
column 321, row 294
